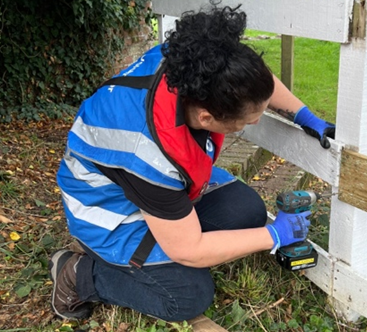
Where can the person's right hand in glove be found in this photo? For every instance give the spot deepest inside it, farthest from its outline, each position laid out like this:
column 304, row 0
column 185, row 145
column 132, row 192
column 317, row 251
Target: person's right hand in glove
column 289, row 228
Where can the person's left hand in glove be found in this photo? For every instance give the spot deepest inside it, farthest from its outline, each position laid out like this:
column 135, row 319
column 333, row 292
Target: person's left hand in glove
column 315, row 126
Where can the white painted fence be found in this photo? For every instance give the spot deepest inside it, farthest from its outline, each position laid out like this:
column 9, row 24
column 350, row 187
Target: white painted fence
column 341, row 272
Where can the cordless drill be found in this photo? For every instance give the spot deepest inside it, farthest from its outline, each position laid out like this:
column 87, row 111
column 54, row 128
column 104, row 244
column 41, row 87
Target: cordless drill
column 299, row 255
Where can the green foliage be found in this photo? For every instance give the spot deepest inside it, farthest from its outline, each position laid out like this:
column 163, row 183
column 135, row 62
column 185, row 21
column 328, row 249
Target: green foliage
column 319, row 232
column 256, row 294
column 31, row 248
column 8, row 189
column 53, row 54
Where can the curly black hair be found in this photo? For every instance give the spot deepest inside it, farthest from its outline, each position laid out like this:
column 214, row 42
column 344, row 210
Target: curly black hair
column 208, row 65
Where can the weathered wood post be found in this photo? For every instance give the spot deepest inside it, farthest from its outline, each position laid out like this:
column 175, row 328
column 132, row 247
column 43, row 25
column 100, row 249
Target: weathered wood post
column 287, row 59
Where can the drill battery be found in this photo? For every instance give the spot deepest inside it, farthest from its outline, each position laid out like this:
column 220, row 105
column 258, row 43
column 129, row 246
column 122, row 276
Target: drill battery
column 297, row 256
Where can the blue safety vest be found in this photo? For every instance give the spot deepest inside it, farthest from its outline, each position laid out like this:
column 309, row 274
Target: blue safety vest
column 112, row 129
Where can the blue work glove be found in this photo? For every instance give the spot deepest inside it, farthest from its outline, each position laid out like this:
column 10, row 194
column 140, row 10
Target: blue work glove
column 315, row 126
column 289, row 228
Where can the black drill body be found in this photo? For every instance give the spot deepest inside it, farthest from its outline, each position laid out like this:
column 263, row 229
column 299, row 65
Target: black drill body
column 300, row 255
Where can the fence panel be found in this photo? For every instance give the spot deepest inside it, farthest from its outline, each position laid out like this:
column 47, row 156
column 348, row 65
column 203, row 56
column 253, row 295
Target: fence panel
column 318, row 19
column 341, row 272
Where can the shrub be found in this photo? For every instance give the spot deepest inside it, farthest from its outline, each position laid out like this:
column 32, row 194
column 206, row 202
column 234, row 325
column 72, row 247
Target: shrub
column 53, row 54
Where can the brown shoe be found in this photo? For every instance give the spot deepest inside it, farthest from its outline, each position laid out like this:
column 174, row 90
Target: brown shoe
column 65, row 301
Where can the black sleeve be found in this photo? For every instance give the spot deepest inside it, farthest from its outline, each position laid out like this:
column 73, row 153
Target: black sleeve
column 155, row 200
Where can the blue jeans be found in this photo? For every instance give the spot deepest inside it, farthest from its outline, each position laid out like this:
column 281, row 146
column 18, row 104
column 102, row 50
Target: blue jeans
column 172, row 292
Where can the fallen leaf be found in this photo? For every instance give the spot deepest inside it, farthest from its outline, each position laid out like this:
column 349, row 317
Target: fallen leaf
column 4, row 220
column 29, row 206
column 227, row 301
column 70, row 324
column 123, row 327
column 42, row 219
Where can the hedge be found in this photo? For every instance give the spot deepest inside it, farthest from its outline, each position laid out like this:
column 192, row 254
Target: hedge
column 54, row 53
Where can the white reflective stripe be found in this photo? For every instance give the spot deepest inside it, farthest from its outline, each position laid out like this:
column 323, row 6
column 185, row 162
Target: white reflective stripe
column 133, row 217
column 96, row 215
column 81, row 173
column 125, row 141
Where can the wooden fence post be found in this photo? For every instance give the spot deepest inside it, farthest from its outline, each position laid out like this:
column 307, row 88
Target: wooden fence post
column 287, row 60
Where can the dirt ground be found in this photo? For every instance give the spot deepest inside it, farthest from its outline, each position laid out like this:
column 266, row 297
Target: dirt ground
column 31, row 219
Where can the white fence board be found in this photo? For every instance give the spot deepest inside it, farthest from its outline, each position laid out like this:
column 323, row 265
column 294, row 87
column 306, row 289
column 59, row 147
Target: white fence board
column 352, row 97
column 348, row 235
column 284, row 139
column 318, row 19
column 350, row 288
column 165, row 23
column 322, row 273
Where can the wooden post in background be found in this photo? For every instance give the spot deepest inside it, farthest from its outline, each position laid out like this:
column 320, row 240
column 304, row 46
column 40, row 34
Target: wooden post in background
column 287, row 61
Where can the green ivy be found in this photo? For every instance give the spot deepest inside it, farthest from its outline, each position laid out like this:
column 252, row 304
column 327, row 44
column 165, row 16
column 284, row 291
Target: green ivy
column 54, row 53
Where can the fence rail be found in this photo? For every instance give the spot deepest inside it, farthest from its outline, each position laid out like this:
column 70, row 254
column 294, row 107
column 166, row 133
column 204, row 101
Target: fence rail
column 318, row 19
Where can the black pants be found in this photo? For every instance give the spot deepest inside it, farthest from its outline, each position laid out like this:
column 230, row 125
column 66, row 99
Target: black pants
column 173, row 292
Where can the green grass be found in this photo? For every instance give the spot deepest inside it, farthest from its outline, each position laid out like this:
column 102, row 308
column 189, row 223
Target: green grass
column 262, row 297
column 316, row 67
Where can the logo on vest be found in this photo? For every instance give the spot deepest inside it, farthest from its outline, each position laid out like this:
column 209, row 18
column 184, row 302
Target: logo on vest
column 209, row 145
